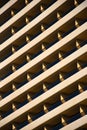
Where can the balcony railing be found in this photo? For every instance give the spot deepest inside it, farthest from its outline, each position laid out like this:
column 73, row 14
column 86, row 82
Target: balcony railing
column 7, row 93
column 34, row 117
column 33, row 17
column 22, row 104
column 20, row 65
column 52, row 64
column 75, row 117
column 37, row 94
column 5, row 114
column 6, row 56
column 57, row 127
column 22, row 124
column 58, row 103
column 67, row 11
column 22, row 83
column 73, row 94
column 16, row 11
column 6, row 75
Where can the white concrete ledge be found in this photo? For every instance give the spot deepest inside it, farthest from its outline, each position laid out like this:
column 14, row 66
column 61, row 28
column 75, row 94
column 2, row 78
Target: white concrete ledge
column 55, row 112
column 19, row 15
column 45, row 74
column 58, row 45
column 27, row 8
column 76, row 124
column 7, row 6
column 71, row 103
column 49, row 93
column 53, row 28
column 64, row 41
column 50, row 71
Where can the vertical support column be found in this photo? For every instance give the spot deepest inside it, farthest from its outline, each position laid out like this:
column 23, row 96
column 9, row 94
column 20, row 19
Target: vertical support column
column 76, row 3
column 46, row 128
column 13, row 49
column 28, row 38
column 42, row 8
column 44, row 66
column 14, row 126
column 14, row 67
column 29, row 76
column 43, row 46
column 14, row 106
column 59, row 15
column 28, row 57
column 45, row 85
column 0, row 115
column 78, row 44
column 77, row 23
column 0, row 96
column 64, row 120
column 12, row 12
column 29, row 118
column 82, row 110
column 79, row 65
column 26, row 2
column 14, row 88
column 63, row 98
column 13, row 30
column 61, row 77
column 27, row 20
column 60, row 55
column 29, row 98
column 81, row 87
column 43, row 27
column 59, row 35
column 45, row 108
